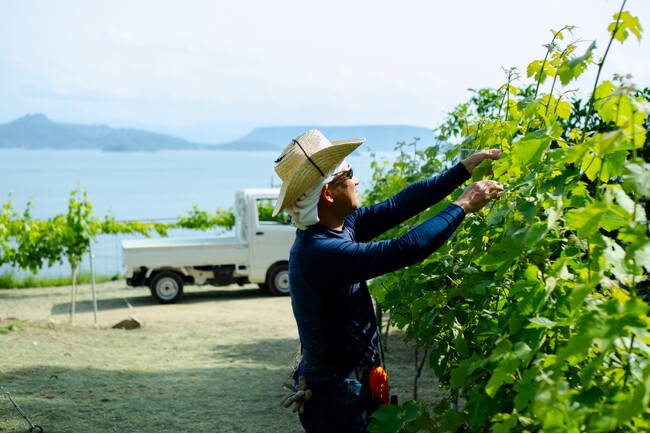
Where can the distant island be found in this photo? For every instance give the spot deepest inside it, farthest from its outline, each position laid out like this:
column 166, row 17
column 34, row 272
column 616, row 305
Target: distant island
column 36, row 131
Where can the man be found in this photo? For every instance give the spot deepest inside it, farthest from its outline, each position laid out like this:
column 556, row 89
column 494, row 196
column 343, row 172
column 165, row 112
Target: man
column 333, row 256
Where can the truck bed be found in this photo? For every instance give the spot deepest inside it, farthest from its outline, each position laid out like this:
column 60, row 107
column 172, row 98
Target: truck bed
column 180, row 252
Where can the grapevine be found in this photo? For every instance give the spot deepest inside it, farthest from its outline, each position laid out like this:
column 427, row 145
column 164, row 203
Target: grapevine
column 534, row 309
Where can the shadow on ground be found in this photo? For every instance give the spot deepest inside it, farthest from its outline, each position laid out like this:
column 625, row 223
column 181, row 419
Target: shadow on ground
column 146, row 300
column 237, row 398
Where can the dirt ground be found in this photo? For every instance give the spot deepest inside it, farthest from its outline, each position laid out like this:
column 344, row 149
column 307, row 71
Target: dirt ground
column 214, row 362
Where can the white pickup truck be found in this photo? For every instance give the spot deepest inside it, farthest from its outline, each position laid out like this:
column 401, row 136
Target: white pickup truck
column 258, row 253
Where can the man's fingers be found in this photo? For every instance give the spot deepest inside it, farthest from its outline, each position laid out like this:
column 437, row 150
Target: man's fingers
column 286, row 397
column 301, row 407
column 492, row 186
column 301, row 404
column 297, row 397
column 293, row 398
column 487, row 190
column 287, row 402
column 289, row 385
column 302, row 383
column 494, row 190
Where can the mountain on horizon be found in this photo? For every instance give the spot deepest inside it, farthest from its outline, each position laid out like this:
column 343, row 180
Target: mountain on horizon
column 378, row 137
column 36, row 131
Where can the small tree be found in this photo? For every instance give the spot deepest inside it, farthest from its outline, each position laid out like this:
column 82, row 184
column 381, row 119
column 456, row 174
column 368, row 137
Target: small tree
column 79, row 229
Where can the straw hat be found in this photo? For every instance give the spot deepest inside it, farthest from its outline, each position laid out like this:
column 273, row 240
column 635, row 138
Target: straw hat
column 305, row 161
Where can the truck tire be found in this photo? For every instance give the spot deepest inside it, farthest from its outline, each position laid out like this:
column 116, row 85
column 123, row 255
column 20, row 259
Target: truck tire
column 277, row 280
column 166, row 287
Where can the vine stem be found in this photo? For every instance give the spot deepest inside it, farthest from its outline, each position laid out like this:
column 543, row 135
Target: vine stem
column 592, row 100
column 505, row 97
column 548, row 51
column 550, row 94
column 418, row 370
column 636, row 205
column 629, row 359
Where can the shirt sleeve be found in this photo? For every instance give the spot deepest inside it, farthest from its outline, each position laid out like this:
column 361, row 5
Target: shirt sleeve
column 336, row 262
column 372, row 221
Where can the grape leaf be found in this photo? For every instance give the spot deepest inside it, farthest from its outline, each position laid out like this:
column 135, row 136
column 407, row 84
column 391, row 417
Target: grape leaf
column 623, row 24
column 586, row 220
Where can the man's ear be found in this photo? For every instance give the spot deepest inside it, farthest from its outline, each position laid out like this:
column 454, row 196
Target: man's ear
column 326, row 194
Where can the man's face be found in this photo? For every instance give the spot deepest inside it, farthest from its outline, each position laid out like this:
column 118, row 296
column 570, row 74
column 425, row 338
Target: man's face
column 344, row 190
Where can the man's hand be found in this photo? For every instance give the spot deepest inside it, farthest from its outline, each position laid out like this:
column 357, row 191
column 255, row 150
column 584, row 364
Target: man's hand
column 478, row 194
column 475, row 159
column 298, row 396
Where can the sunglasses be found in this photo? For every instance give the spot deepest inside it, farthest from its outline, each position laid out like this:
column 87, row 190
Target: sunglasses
column 349, row 174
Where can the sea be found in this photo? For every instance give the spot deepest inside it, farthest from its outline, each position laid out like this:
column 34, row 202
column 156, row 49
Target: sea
column 147, row 186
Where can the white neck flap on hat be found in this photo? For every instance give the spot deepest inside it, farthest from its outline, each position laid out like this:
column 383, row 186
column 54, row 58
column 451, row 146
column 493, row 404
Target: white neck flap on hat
column 304, row 211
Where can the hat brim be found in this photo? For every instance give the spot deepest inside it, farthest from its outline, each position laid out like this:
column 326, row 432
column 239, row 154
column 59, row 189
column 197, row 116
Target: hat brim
column 306, row 176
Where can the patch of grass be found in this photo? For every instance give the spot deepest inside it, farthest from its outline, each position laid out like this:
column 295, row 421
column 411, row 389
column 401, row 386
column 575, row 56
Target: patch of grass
column 158, row 379
column 4, row 329
column 9, row 280
column 214, row 363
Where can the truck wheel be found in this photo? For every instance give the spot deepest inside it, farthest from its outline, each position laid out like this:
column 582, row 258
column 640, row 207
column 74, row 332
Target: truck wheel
column 166, row 287
column 277, row 280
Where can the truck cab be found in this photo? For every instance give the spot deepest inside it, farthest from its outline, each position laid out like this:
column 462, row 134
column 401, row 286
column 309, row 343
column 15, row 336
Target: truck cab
column 257, row 253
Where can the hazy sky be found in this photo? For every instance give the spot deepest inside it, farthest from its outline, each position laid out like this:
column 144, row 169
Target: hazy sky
column 213, row 69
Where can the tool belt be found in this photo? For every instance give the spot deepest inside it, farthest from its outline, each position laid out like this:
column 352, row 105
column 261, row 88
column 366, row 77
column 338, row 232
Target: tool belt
column 373, row 375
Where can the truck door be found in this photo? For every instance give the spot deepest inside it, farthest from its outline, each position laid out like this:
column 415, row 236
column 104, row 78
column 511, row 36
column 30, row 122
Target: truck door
column 272, row 236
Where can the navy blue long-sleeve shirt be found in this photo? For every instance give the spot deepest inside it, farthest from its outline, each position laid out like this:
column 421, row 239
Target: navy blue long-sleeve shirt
column 328, row 268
